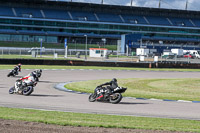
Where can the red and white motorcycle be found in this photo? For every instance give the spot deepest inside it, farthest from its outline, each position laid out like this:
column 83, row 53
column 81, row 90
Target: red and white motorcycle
column 24, row 86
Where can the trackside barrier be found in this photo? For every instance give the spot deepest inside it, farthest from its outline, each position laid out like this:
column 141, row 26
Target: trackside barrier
column 94, row 63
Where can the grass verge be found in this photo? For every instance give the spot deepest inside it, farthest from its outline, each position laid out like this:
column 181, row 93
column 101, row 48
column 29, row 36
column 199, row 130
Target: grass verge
column 173, row 89
column 94, row 67
column 95, row 120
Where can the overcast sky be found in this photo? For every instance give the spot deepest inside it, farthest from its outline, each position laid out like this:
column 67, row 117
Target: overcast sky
column 170, row 4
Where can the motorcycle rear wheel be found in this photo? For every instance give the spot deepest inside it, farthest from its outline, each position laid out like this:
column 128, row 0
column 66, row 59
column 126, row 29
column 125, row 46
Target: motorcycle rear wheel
column 92, row 98
column 36, row 79
column 116, row 98
column 28, row 90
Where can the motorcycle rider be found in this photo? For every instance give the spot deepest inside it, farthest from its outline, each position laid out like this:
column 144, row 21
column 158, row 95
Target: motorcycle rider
column 17, row 68
column 110, row 86
column 36, row 74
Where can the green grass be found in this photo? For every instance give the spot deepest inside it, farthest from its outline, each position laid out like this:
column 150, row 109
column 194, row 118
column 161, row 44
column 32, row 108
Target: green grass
column 53, row 45
column 20, row 57
column 95, row 67
column 99, row 120
column 173, row 89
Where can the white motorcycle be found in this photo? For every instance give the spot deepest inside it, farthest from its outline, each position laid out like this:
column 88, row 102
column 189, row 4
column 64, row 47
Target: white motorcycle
column 23, row 87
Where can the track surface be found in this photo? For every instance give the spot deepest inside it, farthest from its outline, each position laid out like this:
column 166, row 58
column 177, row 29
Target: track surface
column 47, row 97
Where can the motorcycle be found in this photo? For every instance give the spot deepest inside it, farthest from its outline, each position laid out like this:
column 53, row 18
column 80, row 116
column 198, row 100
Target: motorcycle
column 102, row 94
column 22, row 88
column 12, row 73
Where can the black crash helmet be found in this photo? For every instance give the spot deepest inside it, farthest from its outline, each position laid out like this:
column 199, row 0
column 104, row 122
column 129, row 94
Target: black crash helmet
column 114, row 80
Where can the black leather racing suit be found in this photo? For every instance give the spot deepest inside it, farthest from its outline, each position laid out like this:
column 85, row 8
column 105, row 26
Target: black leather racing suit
column 16, row 70
column 110, row 86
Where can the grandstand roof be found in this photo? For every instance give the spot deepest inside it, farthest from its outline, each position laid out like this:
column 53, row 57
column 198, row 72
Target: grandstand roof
column 105, row 8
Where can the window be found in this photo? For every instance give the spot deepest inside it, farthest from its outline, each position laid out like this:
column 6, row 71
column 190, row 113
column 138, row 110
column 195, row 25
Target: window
column 27, row 22
column 49, row 23
column 27, row 15
column 39, row 22
column 135, row 21
column 82, row 18
column 98, row 51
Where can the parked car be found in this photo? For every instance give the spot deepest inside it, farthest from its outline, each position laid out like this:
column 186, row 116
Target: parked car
column 188, row 55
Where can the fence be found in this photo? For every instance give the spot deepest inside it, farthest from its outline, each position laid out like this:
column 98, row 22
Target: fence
column 46, row 52
column 81, row 55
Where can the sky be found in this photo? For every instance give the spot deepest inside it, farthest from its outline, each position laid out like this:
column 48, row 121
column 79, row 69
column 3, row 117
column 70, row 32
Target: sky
column 169, row 4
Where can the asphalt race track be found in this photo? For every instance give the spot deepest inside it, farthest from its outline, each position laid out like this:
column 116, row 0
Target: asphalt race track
column 46, row 97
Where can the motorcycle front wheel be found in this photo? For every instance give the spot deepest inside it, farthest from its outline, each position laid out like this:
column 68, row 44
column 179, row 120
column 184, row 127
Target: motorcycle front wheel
column 92, row 98
column 27, row 90
column 9, row 74
column 115, row 98
column 11, row 90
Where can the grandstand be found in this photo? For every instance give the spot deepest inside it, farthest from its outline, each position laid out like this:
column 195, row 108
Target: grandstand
column 24, row 20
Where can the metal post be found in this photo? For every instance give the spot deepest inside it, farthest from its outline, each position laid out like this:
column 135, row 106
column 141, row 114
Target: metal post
column 102, row 2
column 75, row 46
column 175, row 58
column 41, row 48
column 117, row 56
column 66, row 48
column 85, row 47
column 131, row 2
column 159, row 4
column 186, row 6
column 127, row 50
column 132, row 55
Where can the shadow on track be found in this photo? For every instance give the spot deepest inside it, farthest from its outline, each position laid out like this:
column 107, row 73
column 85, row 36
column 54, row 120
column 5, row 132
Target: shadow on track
column 47, row 82
column 2, row 87
column 16, row 77
column 134, row 103
column 42, row 95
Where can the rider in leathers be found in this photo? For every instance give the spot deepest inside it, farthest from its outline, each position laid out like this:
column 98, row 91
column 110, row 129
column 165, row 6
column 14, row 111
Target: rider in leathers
column 17, row 68
column 24, row 81
column 110, row 85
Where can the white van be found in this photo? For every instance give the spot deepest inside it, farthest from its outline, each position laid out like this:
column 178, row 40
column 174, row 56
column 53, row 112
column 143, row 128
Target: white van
column 196, row 53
